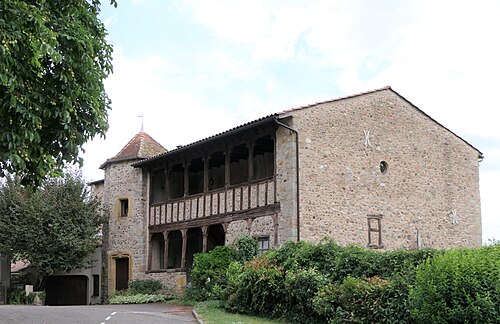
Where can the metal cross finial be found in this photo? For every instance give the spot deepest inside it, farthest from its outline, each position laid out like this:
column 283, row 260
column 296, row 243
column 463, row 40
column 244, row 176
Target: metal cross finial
column 142, row 121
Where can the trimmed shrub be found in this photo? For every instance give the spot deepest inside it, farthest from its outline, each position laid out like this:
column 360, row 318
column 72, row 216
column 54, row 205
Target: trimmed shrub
column 16, row 296
column 301, row 286
column 337, row 262
column 370, row 300
column 248, row 248
column 304, row 282
column 259, row 288
column 146, row 286
column 458, row 286
column 208, row 276
column 137, row 299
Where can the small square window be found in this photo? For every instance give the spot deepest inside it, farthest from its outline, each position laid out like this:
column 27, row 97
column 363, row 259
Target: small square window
column 263, row 244
column 123, row 207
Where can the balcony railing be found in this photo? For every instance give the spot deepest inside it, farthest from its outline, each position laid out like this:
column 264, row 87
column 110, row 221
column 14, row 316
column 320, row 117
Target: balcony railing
column 220, row 201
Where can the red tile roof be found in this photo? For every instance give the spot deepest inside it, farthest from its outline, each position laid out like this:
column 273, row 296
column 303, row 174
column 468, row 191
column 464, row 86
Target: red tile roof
column 141, row 146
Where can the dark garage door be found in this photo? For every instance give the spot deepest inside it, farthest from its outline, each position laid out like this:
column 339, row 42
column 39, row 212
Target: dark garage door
column 66, row 290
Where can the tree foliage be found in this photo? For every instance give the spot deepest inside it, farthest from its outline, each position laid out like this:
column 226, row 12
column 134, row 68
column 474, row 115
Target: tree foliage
column 53, row 59
column 54, row 227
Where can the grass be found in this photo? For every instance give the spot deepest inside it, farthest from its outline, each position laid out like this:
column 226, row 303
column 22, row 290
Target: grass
column 211, row 312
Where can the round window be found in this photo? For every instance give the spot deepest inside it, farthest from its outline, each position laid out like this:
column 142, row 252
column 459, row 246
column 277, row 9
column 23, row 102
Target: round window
column 383, row 166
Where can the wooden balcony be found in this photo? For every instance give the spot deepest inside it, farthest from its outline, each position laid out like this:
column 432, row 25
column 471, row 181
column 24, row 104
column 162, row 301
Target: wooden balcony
column 228, row 200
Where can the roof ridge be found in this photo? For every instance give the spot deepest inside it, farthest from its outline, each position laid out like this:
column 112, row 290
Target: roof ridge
column 335, row 99
column 141, row 146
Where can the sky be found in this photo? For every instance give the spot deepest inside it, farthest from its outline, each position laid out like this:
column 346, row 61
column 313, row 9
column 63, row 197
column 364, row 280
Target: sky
column 194, row 68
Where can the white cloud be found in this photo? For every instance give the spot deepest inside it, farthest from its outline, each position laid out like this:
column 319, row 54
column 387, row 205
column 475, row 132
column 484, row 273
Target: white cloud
column 449, row 62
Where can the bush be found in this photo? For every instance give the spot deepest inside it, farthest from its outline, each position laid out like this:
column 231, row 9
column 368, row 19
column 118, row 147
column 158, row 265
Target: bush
column 147, row 286
column 248, row 248
column 259, row 288
column 337, row 262
column 370, row 300
column 459, row 286
column 304, row 282
column 137, row 299
column 208, row 276
column 301, row 286
column 287, row 282
column 16, row 296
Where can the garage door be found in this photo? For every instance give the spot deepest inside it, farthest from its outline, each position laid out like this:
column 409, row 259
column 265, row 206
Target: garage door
column 66, row 290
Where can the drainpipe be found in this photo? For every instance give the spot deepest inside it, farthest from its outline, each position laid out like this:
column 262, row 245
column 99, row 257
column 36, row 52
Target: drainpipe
column 297, row 175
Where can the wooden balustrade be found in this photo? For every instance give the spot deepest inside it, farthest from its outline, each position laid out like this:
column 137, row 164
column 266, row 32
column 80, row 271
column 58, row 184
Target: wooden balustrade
column 231, row 199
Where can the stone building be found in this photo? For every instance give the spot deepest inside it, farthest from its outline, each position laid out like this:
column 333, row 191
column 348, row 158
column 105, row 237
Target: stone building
column 369, row 169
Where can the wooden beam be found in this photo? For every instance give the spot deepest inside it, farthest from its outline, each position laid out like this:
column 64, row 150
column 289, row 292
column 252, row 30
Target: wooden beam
column 268, row 210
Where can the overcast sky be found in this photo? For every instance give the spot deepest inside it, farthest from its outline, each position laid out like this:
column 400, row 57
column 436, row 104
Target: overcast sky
column 195, row 68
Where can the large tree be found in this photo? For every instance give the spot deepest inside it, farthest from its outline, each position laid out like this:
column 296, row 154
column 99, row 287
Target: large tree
column 54, row 57
column 54, row 227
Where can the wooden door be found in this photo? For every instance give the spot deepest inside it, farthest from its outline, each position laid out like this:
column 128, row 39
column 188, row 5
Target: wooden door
column 122, row 273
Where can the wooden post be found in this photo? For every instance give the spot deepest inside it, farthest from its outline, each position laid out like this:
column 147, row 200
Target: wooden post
column 227, row 168
column 167, row 183
column 250, row 160
column 249, row 225
column 165, row 253
column 204, row 231
column 184, row 246
column 205, row 174
column 150, row 252
column 186, row 178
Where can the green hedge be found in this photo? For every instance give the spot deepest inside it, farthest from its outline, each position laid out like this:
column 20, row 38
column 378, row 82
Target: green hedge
column 286, row 283
column 146, row 286
column 325, row 282
column 257, row 288
column 208, row 275
column 337, row 262
column 369, row 300
column 459, row 286
column 137, row 299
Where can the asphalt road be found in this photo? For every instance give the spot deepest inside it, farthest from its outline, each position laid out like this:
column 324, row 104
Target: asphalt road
column 97, row 314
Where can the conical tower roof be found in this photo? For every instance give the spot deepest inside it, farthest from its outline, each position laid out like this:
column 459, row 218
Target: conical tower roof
column 141, row 146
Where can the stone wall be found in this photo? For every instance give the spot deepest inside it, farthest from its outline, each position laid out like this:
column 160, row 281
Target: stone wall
column 260, row 227
column 286, row 185
column 430, row 189
column 127, row 235
column 174, row 280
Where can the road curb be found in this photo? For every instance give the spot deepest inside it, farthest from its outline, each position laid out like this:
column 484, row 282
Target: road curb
column 195, row 314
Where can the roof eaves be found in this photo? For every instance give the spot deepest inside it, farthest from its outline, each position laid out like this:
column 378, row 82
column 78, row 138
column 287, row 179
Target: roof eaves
column 233, row 130
column 96, row 182
column 124, row 159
